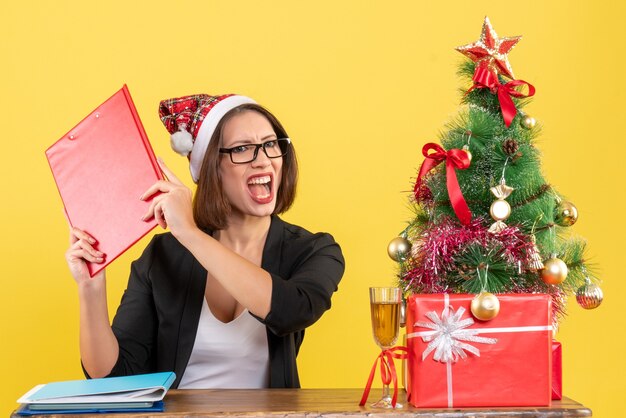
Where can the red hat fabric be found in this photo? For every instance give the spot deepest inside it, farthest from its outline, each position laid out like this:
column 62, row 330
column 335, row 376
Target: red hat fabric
column 191, row 121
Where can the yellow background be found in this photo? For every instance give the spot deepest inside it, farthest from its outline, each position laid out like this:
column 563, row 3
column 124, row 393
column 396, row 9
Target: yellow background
column 360, row 87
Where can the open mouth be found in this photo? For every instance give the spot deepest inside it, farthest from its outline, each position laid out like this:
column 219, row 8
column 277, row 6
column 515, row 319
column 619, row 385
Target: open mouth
column 260, row 188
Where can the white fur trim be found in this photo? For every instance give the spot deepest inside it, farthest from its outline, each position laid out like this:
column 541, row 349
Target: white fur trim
column 181, row 142
column 208, row 127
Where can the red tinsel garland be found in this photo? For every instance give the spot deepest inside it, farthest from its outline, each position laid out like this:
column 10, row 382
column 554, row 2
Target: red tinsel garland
column 436, row 247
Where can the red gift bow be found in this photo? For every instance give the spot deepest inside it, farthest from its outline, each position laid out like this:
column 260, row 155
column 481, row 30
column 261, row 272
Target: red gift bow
column 387, row 372
column 455, row 159
column 485, row 78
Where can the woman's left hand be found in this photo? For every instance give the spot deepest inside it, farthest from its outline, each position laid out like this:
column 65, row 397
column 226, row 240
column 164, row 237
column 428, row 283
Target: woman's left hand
column 172, row 207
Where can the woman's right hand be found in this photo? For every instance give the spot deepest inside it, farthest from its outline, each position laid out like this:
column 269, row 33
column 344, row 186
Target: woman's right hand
column 81, row 250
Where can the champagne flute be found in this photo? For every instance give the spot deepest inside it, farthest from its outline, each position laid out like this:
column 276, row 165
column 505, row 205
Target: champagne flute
column 385, row 308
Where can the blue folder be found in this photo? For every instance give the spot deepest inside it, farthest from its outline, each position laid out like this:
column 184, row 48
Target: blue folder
column 25, row 410
column 126, row 393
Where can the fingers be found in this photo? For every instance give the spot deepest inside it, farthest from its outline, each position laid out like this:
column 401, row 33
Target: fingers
column 82, row 249
column 152, row 208
column 156, row 211
column 162, row 186
column 159, row 216
column 83, row 254
column 168, row 173
column 78, row 234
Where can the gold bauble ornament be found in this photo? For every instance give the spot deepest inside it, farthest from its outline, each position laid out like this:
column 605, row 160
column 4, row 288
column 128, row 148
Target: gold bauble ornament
column 485, row 306
column 528, row 122
column 398, row 249
column 467, row 151
column 589, row 295
column 554, row 271
column 566, row 214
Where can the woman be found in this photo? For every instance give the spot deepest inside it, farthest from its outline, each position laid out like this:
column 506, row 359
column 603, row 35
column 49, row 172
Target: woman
column 223, row 298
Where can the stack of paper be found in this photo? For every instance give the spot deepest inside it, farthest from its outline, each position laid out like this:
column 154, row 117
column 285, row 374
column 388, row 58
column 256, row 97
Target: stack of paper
column 137, row 393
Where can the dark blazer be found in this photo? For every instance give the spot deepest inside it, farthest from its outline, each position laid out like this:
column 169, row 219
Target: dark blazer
column 157, row 320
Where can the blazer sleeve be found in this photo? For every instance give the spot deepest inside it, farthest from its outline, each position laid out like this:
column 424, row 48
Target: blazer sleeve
column 135, row 323
column 303, row 295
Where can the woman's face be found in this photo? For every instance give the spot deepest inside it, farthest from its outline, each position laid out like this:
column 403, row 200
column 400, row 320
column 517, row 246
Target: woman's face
column 251, row 188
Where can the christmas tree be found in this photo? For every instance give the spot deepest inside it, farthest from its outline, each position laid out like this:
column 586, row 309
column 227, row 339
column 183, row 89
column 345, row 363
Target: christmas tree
column 486, row 220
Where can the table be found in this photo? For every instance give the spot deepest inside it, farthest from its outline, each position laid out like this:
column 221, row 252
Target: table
column 326, row 403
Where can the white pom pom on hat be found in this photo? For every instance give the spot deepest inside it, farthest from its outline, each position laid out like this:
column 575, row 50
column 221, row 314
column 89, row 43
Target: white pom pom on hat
column 191, row 121
column 182, row 141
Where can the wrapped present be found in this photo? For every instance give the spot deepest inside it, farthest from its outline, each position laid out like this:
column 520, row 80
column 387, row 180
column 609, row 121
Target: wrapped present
column 557, row 371
column 456, row 360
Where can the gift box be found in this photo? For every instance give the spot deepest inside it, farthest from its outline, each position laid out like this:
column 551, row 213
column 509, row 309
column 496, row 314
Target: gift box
column 557, row 371
column 456, row 360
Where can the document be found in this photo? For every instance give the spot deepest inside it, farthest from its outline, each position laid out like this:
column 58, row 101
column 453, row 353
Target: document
column 101, row 167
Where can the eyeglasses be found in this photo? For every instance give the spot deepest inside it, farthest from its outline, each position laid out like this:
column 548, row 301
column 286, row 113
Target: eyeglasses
column 247, row 153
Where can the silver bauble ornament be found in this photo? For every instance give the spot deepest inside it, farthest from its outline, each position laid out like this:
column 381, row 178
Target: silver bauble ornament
column 589, row 295
column 485, row 306
column 398, row 249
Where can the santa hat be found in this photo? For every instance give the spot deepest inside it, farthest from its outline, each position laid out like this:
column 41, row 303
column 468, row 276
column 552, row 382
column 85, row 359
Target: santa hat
column 191, row 121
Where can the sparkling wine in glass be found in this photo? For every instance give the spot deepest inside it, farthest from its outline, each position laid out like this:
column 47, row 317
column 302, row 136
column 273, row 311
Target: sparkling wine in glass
column 385, row 309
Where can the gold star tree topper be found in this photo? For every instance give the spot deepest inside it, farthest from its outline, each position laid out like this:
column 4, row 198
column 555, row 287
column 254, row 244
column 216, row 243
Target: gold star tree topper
column 490, row 52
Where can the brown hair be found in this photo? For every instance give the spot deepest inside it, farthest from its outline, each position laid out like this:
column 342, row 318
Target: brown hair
column 211, row 208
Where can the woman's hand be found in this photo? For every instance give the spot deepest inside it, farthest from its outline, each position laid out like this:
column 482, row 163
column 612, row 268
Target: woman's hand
column 81, row 250
column 172, row 207
column 99, row 349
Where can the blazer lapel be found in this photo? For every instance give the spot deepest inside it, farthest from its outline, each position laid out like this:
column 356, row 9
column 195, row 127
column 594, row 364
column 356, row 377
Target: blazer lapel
column 272, row 251
column 190, row 318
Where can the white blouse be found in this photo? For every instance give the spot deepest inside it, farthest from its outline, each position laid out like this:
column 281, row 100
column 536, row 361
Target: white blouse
column 231, row 355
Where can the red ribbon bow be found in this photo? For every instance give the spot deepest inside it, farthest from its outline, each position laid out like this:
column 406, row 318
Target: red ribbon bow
column 486, row 78
column 455, row 159
column 505, row 92
column 387, row 372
